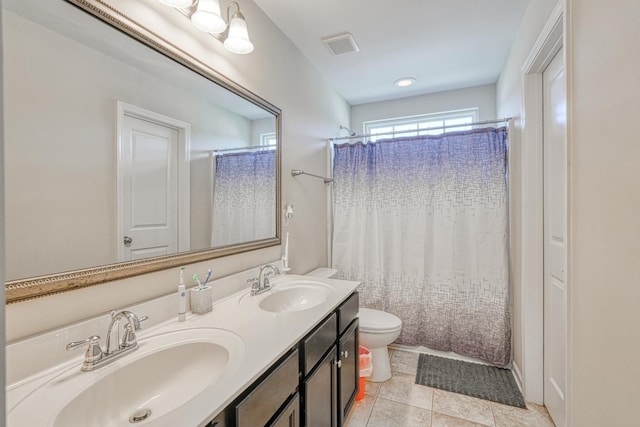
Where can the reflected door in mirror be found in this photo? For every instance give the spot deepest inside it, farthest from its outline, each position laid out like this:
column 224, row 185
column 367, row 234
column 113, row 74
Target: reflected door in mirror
column 148, row 168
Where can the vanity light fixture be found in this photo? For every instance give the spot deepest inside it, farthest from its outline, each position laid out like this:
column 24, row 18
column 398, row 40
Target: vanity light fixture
column 206, row 16
column 237, row 40
column 404, row 82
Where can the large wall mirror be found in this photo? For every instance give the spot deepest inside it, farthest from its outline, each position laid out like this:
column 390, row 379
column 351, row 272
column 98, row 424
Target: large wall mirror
column 124, row 155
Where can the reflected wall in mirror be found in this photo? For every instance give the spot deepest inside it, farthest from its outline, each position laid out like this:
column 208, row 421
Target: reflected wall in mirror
column 115, row 152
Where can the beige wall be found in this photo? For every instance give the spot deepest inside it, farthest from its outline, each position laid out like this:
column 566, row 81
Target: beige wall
column 509, row 100
column 603, row 61
column 312, row 111
column 483, row 97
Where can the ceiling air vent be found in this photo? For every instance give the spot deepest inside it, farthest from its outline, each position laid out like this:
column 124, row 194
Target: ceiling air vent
column 341, row 44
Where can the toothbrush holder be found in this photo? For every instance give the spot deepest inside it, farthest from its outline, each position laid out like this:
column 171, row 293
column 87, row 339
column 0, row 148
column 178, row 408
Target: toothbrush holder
column 201, row 300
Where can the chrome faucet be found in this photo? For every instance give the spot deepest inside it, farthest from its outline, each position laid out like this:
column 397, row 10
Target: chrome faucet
column 261, row 283
column 96, row 356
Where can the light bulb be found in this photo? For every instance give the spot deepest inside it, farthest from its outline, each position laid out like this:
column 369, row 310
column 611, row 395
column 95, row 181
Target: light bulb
column 207, row 17
column 238, row 39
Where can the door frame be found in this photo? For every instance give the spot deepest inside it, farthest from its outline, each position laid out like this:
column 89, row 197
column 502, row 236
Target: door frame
column 184, row 171
column 531, row 374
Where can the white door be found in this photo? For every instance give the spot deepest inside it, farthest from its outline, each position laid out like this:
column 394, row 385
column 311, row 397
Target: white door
column 148, row 164
column 555, row 239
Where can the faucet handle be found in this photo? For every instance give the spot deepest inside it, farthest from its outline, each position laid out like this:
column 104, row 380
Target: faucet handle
column 129, row 338
column 94, row 351
column 140, row 320
column 255, row 284
column 93, row 339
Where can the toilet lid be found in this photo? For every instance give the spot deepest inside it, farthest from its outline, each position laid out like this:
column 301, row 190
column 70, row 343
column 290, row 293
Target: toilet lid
column 378, row 321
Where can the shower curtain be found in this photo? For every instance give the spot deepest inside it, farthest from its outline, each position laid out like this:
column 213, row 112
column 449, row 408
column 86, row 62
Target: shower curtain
column 422, row 222
column 244, row 196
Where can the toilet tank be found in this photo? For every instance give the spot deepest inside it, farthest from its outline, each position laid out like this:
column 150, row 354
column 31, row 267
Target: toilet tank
column 323, row 272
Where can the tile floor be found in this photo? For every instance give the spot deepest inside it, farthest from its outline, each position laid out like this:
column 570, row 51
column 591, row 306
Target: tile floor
column 399, row 402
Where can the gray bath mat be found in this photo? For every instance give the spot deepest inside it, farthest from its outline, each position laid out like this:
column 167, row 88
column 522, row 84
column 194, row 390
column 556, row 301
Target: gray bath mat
column 472, row 379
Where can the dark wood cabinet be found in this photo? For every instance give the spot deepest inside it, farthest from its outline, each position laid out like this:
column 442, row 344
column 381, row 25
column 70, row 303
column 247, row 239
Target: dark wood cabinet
column 290, row 414
column 321, row 393
column 330, row 388
column 348, row 372
column 313, row 385
column 316, row 344
column 220, row 420
column 265, row 400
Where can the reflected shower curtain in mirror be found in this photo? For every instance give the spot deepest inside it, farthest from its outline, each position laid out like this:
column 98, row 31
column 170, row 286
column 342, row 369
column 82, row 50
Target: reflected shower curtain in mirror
column 244, row 197
column 422, row 222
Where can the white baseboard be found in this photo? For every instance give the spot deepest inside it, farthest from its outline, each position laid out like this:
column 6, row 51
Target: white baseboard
column 432, row 352
column 518, row 376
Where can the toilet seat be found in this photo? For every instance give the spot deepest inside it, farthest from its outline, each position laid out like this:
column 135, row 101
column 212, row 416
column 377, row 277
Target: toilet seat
column 378, row 322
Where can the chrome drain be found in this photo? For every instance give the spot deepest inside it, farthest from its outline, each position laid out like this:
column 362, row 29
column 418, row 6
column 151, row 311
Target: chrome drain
column 140, row 415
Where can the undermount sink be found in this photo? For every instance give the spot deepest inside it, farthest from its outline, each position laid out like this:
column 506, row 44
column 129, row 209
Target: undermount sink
column 291, row 296
column 164, row 374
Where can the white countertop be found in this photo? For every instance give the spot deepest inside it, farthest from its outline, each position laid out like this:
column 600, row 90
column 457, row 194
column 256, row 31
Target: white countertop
column 266, row 337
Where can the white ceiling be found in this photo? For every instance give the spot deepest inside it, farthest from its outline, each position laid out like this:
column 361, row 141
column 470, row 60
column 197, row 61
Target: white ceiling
column 444, row 44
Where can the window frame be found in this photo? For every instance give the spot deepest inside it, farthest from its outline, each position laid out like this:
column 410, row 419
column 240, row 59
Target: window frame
column 370, row 126
column 268, row 139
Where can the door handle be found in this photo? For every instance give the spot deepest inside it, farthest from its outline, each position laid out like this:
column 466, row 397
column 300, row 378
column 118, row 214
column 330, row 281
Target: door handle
column 128, row 240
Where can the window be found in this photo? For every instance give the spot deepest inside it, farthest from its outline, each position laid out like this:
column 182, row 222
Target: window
column 268, row 139
column 426, row 124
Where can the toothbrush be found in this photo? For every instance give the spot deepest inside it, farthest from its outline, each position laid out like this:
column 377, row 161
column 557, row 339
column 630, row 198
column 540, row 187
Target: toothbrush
column 197, row 280
column 182, row 298
column 206, row 279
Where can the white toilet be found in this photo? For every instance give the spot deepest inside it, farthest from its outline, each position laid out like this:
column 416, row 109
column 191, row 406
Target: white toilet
column 378, row 329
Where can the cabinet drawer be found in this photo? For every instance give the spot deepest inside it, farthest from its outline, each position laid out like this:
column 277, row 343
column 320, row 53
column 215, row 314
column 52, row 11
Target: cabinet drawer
column 265, row 400
column 317, row 343
column 348, row 311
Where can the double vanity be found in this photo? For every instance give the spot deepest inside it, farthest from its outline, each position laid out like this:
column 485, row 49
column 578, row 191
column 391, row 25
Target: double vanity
column 284, row 357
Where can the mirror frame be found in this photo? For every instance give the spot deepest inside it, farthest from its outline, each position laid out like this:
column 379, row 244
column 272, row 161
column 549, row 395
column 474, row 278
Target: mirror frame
column 35, row 287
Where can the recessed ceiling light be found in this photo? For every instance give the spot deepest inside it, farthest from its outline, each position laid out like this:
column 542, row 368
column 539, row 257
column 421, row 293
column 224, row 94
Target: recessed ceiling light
column 404, row 82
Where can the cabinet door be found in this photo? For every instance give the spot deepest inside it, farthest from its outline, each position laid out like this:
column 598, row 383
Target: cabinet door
column 290, row 415
column 320, row 393
column 219, row 421
column 348, row 370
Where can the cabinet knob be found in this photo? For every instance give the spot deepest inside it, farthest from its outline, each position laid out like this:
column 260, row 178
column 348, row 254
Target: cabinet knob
column 344, row 354
column 338, row 363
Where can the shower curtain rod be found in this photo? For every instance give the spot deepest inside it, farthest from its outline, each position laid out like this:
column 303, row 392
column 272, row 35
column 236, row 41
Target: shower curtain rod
column 296, row 172
column 260, row 147
column 485, row 122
